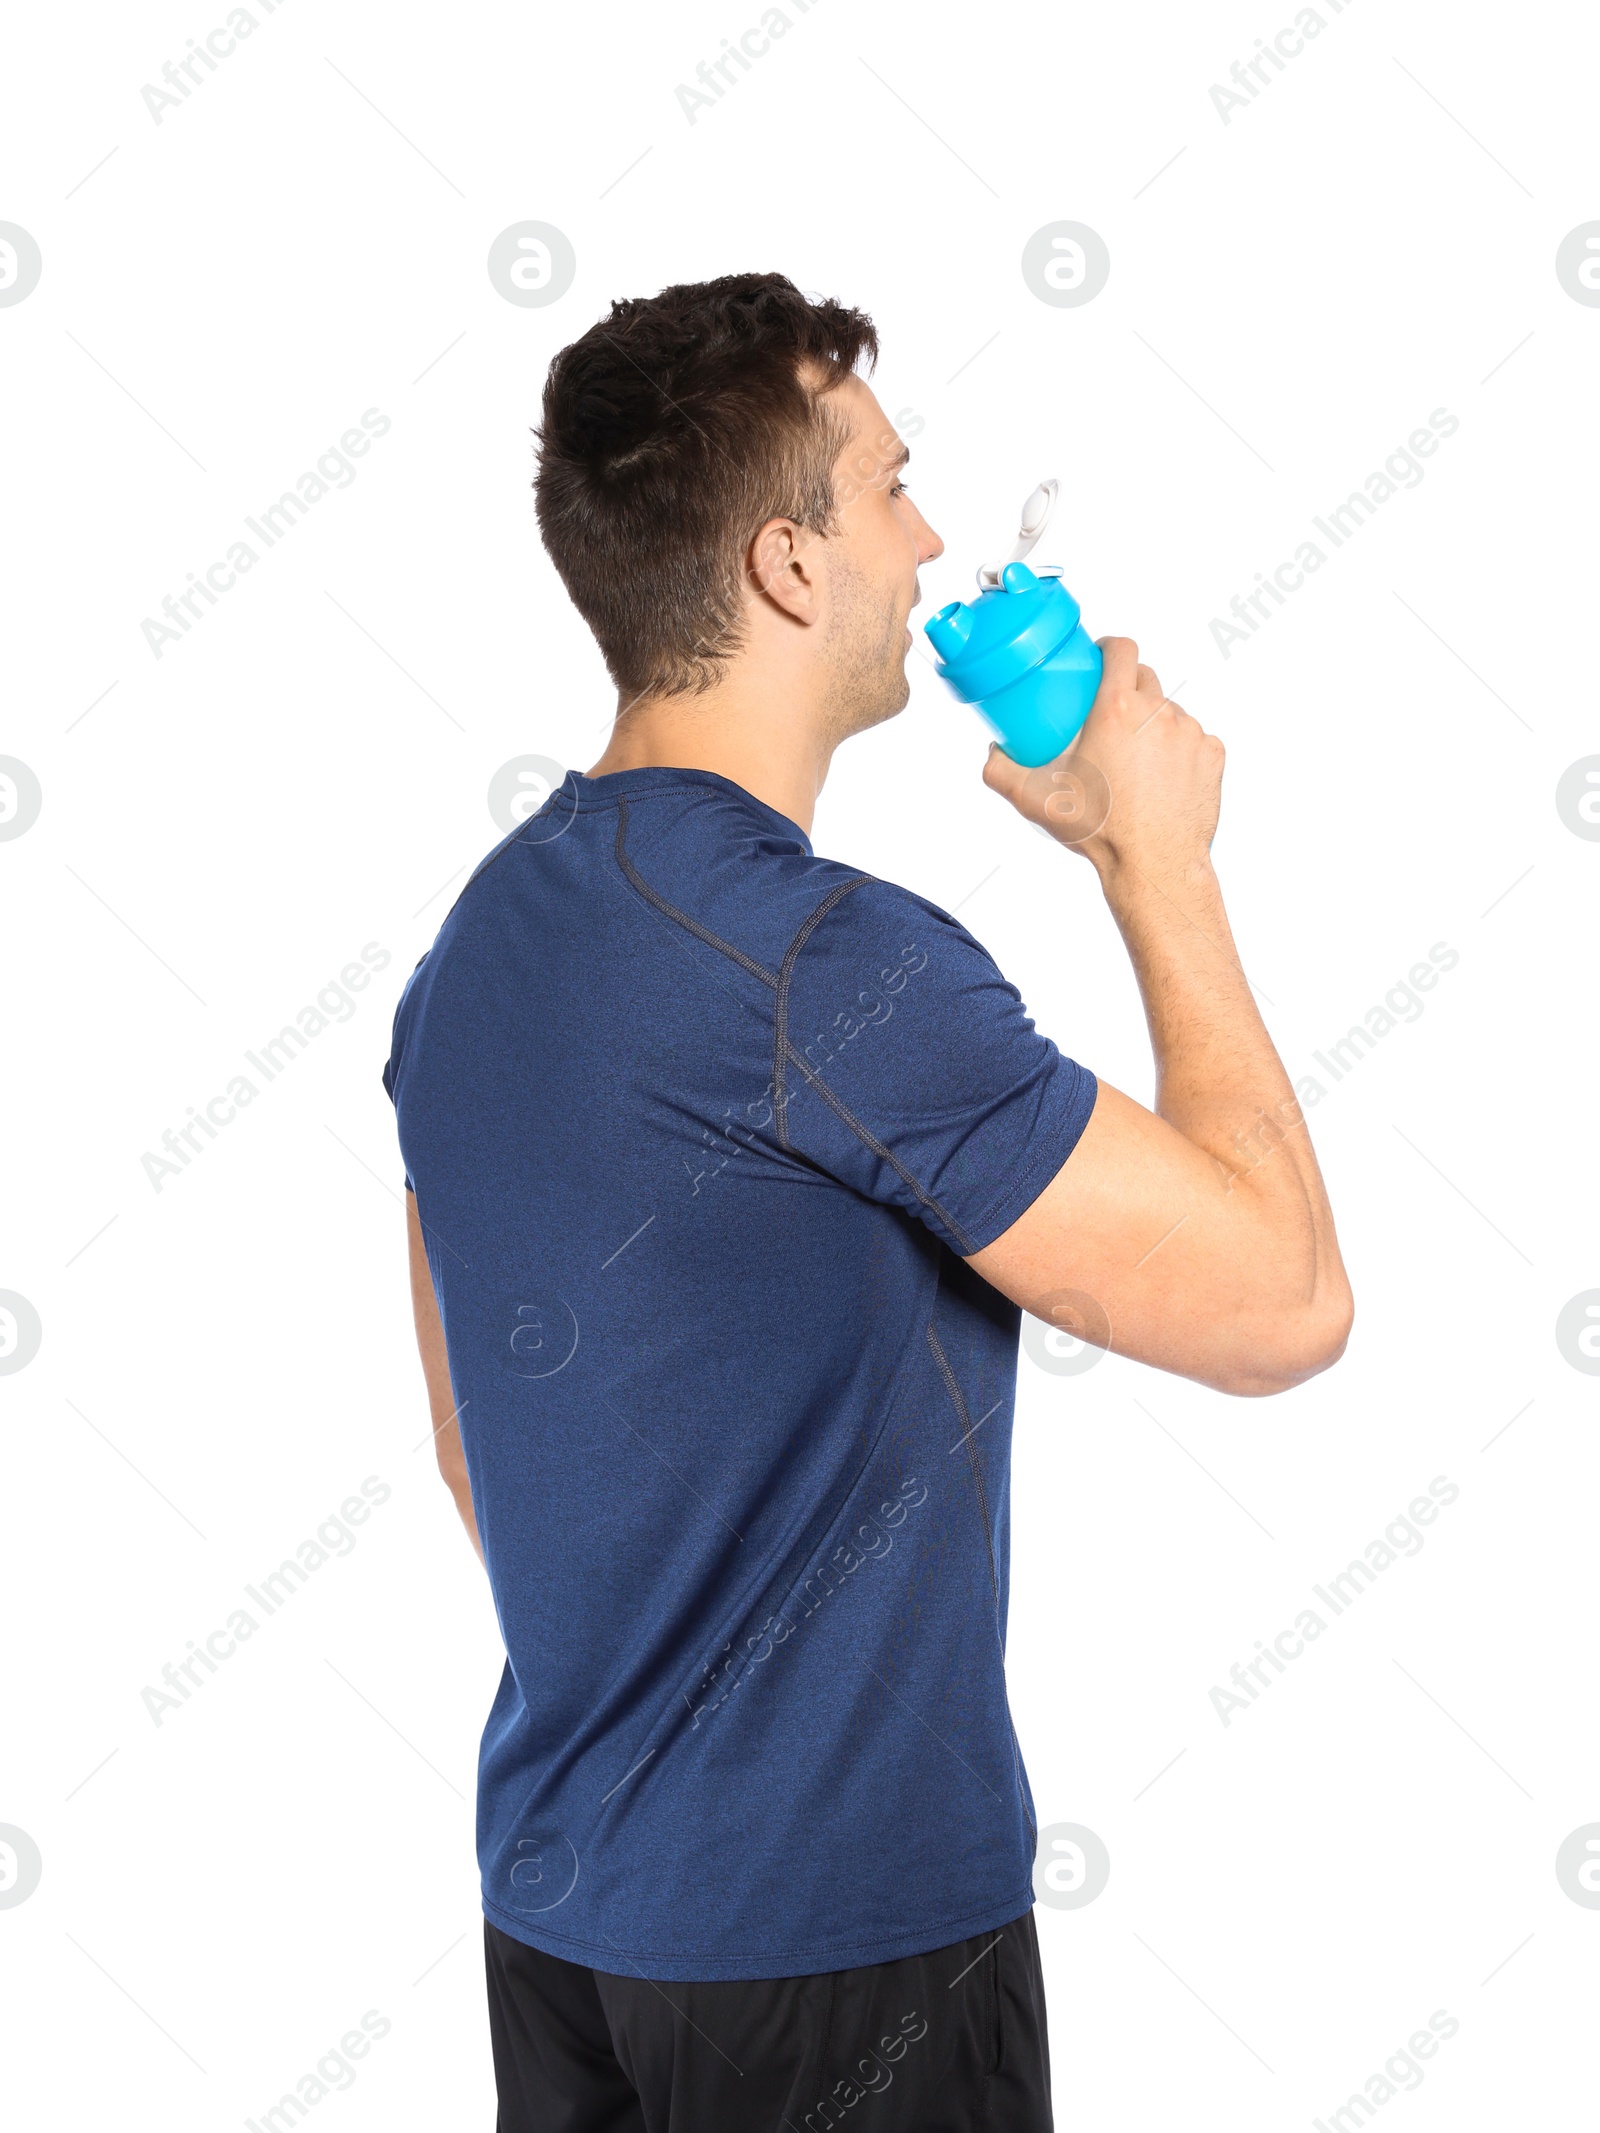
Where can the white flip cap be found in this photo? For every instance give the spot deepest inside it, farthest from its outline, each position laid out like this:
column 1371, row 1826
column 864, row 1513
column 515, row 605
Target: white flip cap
column 1035, row 517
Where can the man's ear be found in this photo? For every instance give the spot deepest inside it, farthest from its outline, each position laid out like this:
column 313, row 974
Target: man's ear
column 781, row 564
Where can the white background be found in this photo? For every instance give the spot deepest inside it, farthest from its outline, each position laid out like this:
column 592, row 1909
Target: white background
column 224, row 1361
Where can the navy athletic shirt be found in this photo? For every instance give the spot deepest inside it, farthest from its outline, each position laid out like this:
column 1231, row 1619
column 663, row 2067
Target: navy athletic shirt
column 700, row 1127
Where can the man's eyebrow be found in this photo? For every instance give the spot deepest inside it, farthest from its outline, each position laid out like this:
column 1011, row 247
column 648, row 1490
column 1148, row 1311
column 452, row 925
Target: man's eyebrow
column 893, row 466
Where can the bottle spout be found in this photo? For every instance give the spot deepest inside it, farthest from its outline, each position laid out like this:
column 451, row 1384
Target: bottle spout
column 948, row 630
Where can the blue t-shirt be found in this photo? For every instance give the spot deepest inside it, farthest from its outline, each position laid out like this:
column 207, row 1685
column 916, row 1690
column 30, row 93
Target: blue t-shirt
column 700, row 1126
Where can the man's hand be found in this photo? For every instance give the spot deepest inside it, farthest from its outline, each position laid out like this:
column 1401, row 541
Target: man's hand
column 1140, row 785
column 1196, row 1237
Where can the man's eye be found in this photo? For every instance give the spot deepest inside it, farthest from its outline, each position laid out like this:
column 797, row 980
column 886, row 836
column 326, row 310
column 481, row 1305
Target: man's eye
column 899, row 488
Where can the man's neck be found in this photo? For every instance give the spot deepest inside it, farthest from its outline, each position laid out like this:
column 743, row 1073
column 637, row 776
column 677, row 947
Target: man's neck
column 759, row 738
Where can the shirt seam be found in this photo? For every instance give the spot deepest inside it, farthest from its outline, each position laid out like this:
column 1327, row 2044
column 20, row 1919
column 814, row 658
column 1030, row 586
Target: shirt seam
column 780, row 1022
column 837, row 1105
column 641, row 887
column 962, row 1415
column 690, row 925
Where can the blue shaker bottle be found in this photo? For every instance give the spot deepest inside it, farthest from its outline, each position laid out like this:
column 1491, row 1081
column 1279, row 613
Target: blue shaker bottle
column 1018, row 653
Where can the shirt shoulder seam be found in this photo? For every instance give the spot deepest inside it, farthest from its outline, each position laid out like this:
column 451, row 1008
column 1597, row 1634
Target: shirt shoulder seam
column 788, row 1053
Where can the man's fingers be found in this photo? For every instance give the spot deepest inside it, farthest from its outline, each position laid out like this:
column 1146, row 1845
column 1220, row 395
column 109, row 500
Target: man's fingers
column 1120, row 664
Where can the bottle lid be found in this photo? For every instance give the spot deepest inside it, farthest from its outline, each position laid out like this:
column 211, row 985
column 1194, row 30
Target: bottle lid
column 1035, row 517
column 1003, row 634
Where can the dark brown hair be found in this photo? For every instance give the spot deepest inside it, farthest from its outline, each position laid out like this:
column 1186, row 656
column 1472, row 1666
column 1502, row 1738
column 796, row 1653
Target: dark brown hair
column 671, row 432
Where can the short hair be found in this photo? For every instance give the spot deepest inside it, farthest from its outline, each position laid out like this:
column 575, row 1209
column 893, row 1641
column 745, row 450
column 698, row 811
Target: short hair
column 671, row 432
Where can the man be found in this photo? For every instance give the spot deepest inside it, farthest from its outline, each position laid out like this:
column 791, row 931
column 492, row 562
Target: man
column 731, row 1170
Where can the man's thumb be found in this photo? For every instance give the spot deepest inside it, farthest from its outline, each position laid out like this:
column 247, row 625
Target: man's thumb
column 1000, row 773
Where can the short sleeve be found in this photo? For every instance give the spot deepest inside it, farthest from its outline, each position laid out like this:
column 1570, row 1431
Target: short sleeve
column 397, row 1039
column 914, row 1073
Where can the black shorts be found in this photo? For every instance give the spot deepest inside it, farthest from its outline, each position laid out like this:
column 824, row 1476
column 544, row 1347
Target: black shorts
column 949, row 2042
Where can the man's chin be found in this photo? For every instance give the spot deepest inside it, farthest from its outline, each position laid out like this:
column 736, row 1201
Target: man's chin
column 894, row 700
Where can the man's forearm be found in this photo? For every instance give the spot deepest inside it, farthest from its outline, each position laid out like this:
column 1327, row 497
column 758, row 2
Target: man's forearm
column 1215, row 1064
column 1219, row 1079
